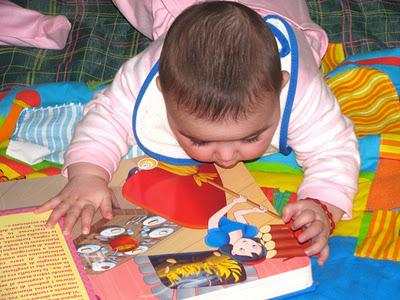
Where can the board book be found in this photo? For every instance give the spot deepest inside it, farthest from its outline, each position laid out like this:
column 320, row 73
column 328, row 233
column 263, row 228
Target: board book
column 37, row 262
column 163, row 246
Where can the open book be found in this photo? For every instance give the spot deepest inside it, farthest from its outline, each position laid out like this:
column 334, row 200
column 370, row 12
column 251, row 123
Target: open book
column 198, row 232
column 36, row 262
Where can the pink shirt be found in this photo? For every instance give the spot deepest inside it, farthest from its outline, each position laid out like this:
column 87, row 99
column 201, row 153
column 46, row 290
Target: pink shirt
column 322, row 138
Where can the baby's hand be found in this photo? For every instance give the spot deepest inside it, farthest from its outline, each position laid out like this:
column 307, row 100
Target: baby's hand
column 82, row 196
column 315, row 223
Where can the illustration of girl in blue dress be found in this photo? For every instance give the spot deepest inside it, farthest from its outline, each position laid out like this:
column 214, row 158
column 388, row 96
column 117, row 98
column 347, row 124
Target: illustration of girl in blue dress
column 236, row 239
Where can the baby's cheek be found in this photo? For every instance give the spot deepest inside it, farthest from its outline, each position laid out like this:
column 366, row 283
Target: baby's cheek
column 199, row 153
column 250, row 152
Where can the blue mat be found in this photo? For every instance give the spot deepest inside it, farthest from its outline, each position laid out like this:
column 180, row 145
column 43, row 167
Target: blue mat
column 345, row 276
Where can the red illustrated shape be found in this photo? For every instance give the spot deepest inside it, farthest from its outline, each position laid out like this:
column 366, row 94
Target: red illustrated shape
column 124, row 243
column 177, row 198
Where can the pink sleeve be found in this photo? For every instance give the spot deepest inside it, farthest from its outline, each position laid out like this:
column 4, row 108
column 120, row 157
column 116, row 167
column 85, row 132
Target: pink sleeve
column 326, row 147
column 152, row 17
column 105, row 133
column 28, row 28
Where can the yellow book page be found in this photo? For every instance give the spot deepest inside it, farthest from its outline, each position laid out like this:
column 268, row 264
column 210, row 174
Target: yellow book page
column 35, row 262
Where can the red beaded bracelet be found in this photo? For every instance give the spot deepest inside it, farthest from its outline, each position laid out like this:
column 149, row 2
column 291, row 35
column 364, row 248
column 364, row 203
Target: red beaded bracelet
column 326, row 210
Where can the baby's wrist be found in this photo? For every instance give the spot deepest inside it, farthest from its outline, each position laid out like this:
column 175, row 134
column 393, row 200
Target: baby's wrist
column 87, row 169
column 326, row 211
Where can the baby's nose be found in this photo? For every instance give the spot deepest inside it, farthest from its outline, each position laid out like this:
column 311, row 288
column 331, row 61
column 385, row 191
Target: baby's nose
column 226, row 156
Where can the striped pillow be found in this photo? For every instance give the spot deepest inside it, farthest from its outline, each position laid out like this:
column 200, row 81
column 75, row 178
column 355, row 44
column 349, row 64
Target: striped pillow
column 51, row 127
column 45, row 133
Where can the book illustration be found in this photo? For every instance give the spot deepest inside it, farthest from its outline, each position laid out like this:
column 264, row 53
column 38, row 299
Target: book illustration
column 37, row 262
column 236, row 238
column 191, row 270
column 155, row 255
column 142, row 232
column 186, row 198
column 111, row 242
column 241, row 247
column 190, row 194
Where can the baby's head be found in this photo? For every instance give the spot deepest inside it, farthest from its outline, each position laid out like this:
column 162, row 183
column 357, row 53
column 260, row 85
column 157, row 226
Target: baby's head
column 220, row 75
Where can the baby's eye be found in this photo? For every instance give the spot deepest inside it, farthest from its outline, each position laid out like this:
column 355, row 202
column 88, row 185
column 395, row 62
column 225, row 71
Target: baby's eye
column 252, row 139
column 198, row 143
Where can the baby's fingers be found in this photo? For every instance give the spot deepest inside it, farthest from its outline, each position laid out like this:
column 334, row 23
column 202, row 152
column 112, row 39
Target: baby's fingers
column 52, row 203
column 59, row 211
column 324, row 254
column 318, row 244
column 106, row 207
column 72, row 214
column 311, row 231
column 290, row 211
column 304, row 219
column 87, row 217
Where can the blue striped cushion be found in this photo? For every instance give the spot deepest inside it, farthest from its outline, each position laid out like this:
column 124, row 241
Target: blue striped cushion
column 53, row 128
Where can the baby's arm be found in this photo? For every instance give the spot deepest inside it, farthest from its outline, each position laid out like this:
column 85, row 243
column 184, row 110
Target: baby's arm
column 99, row 142
column 327, row 149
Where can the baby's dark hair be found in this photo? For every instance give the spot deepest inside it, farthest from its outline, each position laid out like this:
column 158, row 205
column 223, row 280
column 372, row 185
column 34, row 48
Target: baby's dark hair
column 219, row 60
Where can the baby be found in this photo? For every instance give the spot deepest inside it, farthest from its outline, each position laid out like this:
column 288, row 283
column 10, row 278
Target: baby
column 223, row 82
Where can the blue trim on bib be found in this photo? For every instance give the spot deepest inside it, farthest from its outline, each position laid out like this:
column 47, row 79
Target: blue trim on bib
column 163, row 158
column 283, row 147
column 281, row 38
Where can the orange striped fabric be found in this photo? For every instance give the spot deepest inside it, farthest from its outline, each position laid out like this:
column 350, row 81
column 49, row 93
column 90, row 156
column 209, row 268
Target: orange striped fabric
column 383, row 238
column 334, row 55
column 369, row 98
column 390, row 146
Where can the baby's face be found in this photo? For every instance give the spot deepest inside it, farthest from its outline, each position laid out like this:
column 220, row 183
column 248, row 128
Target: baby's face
column 225, row 142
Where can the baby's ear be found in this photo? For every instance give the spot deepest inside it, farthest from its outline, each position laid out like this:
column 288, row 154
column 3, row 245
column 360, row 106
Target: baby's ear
column 158, row 83
column 285, row 78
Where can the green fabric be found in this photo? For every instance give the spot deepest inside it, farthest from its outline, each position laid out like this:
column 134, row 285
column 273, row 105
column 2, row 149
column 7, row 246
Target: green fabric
column 272, row 167
column 280, row 200
column 361, row 26
column 101, row 39
column 365, row 223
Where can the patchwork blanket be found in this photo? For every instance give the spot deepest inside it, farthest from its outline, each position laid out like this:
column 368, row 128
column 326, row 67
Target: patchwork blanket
column 42, row 93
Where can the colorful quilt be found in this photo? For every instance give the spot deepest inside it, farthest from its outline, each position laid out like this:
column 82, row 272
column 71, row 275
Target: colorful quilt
column 42, row 93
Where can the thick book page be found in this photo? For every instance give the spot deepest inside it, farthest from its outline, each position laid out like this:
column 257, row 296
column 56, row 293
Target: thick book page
column 37, row 262
column 159, row 248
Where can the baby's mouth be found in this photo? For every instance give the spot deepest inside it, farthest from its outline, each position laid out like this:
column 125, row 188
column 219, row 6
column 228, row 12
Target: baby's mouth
column 227, row 164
